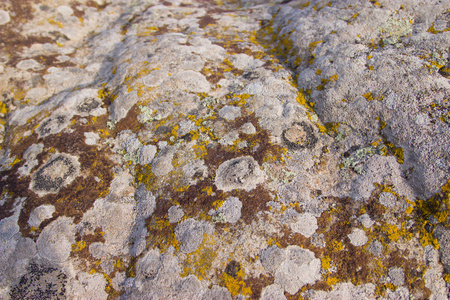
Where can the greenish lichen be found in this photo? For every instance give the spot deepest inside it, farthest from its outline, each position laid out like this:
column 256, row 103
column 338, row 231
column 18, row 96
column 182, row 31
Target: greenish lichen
column 393, row 29
column 148, row 115
column 355, row 161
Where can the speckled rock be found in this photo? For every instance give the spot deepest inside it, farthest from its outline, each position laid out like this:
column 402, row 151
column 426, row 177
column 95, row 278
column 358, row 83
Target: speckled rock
column 224, row 149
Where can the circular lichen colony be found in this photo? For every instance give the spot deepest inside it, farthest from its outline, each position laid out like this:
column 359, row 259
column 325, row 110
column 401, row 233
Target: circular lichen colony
column 239, row 173
column 299, row 136
column 53, row 125
column 59, row 171
column 41, row 282
column 88, row 105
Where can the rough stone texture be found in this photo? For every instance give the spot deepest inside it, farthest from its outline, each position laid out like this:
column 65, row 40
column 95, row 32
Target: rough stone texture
column 239, row 173
column 442, row 234
column 40, row 214
column 54, row 243
column 230, row 210
column 60, row 170
column 358, row 237
column 224, row 149
column 190, row 234
column 298, row 269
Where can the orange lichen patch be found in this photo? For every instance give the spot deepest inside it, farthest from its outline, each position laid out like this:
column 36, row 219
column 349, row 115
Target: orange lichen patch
column 199, row 262
column 161, row 233
column 213, row 73
column 438, row 207
column 325, row 81
column 233, row 280
column 434, row 31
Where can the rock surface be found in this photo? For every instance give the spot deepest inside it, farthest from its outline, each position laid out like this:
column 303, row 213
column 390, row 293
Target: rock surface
column 186, row 149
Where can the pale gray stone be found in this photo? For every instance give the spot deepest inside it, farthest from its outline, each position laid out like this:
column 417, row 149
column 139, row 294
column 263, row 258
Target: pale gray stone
column 190, row 234
column 376, row 248
column 230, row 112
column 442, row 234
column 299, row 268
column 231, row 210
column 358, row 237
column 175, row 214
column 55, row 241
column 272, row 257
column 53, row 124
column 162, row 163
column 217, row 293
column 239, row 173
column 60, row 170
column 28, row 64
column 388, row 199
column 4, row 17
column 148, row 152
column 30, row 159
column 248, row 128
column 40, row 214
column 92, row 138
column 305, row 224
column 366, row 221
column 273, row 292
column 397, row 276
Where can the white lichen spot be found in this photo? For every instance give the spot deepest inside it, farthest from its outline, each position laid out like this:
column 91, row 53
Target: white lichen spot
column 4, row 17
column 358, row 237
column 239, row 173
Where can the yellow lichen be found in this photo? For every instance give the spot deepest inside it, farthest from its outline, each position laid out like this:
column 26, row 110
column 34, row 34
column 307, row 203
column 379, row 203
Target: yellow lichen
column 78, row 246
column 199, row 262
column 236, row 285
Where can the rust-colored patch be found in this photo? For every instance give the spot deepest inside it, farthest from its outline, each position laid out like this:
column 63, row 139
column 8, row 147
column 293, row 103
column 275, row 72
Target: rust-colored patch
column 257, row 284
column 130, row 121
column 81, row 249
column 12, row 40
column 253, row 202
column 260, row 147
column 76, row 12
column 213, row 73
column 93, row 3
column 72, row 200
column 206, row 21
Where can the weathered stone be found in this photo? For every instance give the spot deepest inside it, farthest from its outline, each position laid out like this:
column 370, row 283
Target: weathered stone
column 231, row 210
column 239, row 173
column 40, row 214
column 42, row 281
column 190, row 234
column 358, row 237
column 4, row 17
column 59, row 171
column 299, row 136
column 224, row 149
column 299, row 268
column 54, row 243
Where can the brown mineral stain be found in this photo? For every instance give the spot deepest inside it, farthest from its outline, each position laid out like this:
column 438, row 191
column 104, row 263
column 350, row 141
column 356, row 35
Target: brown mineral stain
column 206, row 21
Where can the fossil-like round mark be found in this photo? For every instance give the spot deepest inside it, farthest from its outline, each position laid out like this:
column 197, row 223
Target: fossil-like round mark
column 299, row 136
column 59, row 171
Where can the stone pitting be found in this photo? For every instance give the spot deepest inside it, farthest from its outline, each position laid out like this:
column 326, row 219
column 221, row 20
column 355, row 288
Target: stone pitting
column 224, row 149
